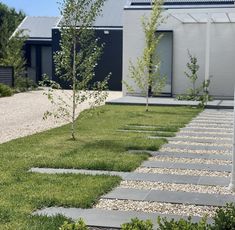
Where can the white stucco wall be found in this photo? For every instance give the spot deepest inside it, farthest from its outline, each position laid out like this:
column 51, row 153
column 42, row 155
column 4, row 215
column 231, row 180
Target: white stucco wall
column 186, row 36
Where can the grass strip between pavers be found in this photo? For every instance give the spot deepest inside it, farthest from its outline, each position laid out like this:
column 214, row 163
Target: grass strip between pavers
column 98, row 147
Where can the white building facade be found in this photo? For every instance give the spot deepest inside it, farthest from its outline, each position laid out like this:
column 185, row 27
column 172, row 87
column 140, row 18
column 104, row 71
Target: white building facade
column 205, row 28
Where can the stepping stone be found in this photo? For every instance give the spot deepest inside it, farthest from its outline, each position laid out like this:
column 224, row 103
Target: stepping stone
column 78, row 171
column 170, row 197
column 197, row 134
column 186, row 155
column 144, row 126
column 154, row 177
column 144, row 131
column 198, row 147
column 199, row 140
column 108, row 218
column 194, row 156
column 193, row 166
column 209, row 121
column 200, row 125
column 210, row 118
column 136, row 131
column 219, row 130
column 157, row 137
column 217, row 114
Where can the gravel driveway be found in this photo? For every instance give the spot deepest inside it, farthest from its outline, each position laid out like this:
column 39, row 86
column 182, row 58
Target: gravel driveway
column 21, row 114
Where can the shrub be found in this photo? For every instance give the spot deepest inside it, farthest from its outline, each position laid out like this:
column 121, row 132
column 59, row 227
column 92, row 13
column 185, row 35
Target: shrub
column 224, row 218
column 137, row 224
column 5, row 90
column 192, row 75
column 182, row 224
column 23, row 84
column 79, row 225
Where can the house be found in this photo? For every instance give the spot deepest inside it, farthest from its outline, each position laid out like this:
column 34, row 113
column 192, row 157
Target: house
column 38, row 46
column 108, row 28
column 204, row 27
column 44, row 40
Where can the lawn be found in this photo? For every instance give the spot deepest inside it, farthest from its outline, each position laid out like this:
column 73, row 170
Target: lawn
column 100, row 145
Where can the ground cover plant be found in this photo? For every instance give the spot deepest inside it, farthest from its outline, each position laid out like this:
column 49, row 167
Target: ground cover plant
column 98, row 146
column 5, row 91
column 195, row 93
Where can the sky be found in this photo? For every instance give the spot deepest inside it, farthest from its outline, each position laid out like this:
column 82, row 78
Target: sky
column 35, row 7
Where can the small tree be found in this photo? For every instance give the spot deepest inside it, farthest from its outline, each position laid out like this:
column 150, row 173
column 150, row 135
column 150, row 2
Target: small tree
column 14, row 54
column 9, row 20
column 192, row 75
column 146, row 71
column 76, row 61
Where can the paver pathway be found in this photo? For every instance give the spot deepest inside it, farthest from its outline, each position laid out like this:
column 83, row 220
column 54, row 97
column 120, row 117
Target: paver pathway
column 188, row 176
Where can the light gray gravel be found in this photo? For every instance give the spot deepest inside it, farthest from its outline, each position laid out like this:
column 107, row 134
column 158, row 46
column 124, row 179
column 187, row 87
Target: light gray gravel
column 22, row 114
column 190, row 172
column 152, row 207
column 176, row 187
column 189, row 160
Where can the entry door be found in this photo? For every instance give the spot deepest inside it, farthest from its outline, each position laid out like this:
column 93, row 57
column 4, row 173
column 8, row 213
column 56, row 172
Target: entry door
column 165, row 52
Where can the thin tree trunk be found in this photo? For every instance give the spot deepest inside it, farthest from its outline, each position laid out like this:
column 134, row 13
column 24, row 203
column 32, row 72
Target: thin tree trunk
column 74, row 91
column 147, row 100
column 194, row 90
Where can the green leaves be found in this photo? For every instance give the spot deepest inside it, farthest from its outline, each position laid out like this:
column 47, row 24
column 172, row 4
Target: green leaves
column 79, row 225
column 9, row 20
column 137, row 224
column 145, row 72
column 14, row 55
column 77, row 59
column 5, row 91
column 193, row 68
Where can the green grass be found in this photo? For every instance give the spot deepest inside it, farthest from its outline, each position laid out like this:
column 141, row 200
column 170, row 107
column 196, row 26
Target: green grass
column 98, row 146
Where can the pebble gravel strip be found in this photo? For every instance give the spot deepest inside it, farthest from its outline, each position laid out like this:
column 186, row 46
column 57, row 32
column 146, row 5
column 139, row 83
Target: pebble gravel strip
column 147, row 185
column 166, row 149
column 197, row 143
column 189, row 160
column 152, row 207
column 188, row 172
